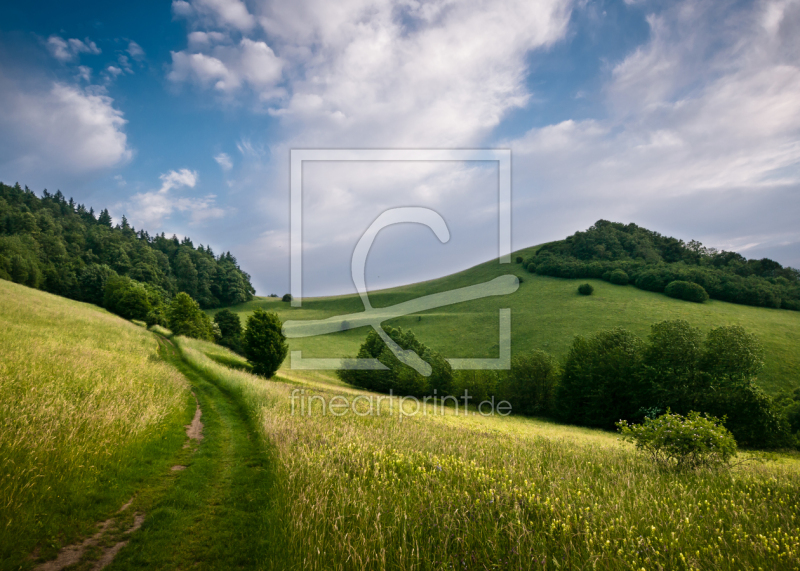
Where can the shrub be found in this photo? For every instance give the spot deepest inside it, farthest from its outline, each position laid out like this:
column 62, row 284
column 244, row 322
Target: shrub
column 186, row 318
column 157, row 316
column 682, row 443
column 127, row 298
column 519, row 259
column 398, row 377
column 618, row 277
column 286, row 297
column 686, row 291
column 264, row 342
column 585, row 289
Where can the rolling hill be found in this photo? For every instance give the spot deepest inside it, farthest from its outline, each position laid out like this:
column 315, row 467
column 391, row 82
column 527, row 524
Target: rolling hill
column 546, row 313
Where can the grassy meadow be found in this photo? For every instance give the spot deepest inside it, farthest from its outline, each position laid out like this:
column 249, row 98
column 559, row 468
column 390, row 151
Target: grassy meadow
column 448, row 491
column 546, row 313
column 87, row 411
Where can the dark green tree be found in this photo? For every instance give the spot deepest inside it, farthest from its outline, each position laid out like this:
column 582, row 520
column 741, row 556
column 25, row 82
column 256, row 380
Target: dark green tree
column 530, row 385
column 602, row 381
column 264, row 343
column 230, row 328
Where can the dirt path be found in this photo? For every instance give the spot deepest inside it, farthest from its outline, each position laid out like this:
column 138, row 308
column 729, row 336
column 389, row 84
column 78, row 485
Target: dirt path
column 210, row 511
column 216, row 514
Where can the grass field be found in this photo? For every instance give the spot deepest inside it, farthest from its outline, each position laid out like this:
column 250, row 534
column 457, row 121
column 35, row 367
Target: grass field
column 448, row 491
column 87, row 412
column 546, row 313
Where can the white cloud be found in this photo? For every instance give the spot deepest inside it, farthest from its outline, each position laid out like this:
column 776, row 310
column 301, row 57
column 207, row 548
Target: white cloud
column 228, row 67
column 59, row 127
column 135, row 51
column 69, row 50
column 706, row 110
column 227, row 13
column 177, row 179
column 224, row 161
column 151, row 209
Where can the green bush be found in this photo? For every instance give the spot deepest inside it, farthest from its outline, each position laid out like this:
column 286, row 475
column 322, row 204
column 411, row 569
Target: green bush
column 585, row 289
column 686, row 291
column 264, row 342
column 286, row 297
column 398, row 377
column 618, row 277
column 127, row 298
column 186, row 318
column 519, row 259
column 682, row 443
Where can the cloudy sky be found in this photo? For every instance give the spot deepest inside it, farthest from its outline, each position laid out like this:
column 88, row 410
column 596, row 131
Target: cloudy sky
column 680, row 116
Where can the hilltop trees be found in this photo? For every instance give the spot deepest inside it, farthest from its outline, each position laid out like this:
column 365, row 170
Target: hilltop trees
column 652, row 262
column 264, row 343
column 53, row 244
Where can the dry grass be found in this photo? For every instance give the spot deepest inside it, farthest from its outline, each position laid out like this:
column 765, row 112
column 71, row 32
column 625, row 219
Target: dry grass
column 81, row 391
column 455, row 492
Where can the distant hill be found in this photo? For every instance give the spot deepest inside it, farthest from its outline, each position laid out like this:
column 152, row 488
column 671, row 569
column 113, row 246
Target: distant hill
column 651, row 261
column 53, row 244
column 546, row 313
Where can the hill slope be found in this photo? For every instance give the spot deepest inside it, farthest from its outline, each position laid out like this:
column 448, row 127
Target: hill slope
column 546, row 313
column 87, row 410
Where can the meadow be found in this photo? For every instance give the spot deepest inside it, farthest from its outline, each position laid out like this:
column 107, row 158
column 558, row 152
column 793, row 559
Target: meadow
column 87, row 412
column 448, row 491
column 546, row 314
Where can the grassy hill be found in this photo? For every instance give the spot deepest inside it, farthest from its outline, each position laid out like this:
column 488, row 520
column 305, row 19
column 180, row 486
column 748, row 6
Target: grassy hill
column 87, row 410
column 546, row 313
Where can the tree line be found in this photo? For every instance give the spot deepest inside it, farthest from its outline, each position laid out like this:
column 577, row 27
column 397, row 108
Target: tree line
column 628, row 254
column 608, row 377
column 53, row 244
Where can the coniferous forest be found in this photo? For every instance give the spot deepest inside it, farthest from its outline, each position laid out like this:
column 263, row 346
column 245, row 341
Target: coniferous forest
column 53, row 244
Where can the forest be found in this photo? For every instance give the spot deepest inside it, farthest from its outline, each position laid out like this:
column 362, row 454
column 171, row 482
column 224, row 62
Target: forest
column 53, row 244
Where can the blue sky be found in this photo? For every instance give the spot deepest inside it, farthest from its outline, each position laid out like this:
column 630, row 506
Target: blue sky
column 680, row 116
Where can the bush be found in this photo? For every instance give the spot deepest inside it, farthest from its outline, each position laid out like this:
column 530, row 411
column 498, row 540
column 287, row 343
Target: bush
column 686, row 291
column 264, row 342
column 585, row 289
column 519, row 259
column 618, row 277
column 682, row 443
column 286, row 297
column 186, row 318
column 398, row 377
column 127, row 298
column 157, row 316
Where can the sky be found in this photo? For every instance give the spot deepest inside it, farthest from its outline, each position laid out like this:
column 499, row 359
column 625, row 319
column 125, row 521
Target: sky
column 680, row 116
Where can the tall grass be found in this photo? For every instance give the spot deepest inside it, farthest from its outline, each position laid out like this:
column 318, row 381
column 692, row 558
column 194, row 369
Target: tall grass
column 455, row 492
column 82, row 393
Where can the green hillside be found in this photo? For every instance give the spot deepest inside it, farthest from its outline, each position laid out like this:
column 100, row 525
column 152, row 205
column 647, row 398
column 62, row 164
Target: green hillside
column 546, row 313
column 87, row 412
